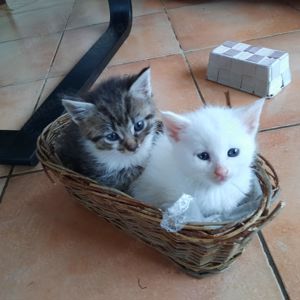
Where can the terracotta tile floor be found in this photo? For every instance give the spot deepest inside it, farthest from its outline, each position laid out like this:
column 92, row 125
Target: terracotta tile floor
column 52, row 248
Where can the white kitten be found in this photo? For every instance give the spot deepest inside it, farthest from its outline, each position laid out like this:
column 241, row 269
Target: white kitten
column 207, row 154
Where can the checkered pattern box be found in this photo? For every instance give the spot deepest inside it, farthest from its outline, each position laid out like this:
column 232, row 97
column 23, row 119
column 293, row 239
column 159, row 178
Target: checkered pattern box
column 256, row 70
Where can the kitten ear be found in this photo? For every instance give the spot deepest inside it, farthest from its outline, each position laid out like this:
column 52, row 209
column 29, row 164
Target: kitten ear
column 174, row 124
column 79, row 111
column 250, row 115
column 141, row 87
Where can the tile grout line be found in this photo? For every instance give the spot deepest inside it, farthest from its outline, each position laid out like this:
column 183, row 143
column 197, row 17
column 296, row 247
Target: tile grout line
column 6, row 183
column 48, row 34
column 186, row 60
column 262, row 240
column 243, row 41
column 74, row 28
column 25, row 82
column 140, row 60
column 49, row 69
column 26, row 173
column 183, row 53
column 30, row 37
column 40, row 95
column 196, row 4
column 184, row 5
column 67, row 30
column 153, row 13
column 34, row 9
column 22, row 173
column 63, row 74
column 273, row 266
column 279, row 127
column 44, row 35
column 124, row 63
column 53, row 59
column 195, row 81
column 273, row 35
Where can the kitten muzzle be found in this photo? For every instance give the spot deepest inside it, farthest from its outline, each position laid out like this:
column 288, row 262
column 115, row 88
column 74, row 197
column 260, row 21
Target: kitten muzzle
column 221, row 173
column 131, row 146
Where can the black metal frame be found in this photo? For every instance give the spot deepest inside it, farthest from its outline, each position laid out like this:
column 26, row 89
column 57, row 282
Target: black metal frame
column 17, row 147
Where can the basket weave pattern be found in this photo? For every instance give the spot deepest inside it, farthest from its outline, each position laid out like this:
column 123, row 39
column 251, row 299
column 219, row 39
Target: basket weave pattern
column 198, row 249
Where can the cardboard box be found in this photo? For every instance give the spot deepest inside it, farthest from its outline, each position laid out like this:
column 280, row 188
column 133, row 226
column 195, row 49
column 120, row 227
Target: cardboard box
column 257, row 70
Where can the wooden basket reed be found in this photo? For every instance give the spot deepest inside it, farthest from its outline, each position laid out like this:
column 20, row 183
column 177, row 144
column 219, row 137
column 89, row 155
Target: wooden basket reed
column 198, row 249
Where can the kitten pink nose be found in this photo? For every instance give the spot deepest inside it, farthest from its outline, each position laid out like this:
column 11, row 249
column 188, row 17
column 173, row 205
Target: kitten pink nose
column 221, row 173
column 131, row 146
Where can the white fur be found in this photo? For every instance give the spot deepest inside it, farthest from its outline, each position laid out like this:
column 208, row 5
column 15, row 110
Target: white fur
column 174, row 168
column 115, row 160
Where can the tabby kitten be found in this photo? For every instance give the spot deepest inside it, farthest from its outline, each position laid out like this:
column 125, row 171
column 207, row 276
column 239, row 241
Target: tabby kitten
column 112, row 131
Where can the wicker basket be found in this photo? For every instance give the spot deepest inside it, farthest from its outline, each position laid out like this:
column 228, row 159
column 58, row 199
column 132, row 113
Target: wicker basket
column 197, row 249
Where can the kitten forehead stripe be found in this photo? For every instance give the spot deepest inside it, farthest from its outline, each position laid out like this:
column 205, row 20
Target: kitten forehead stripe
column 150, row 116
column 121, row 110
column 104, row 110
column 127, row 101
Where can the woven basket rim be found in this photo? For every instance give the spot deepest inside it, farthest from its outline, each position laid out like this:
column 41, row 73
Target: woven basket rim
column 227, row 230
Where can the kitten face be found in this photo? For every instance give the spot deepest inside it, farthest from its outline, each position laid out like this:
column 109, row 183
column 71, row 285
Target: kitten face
column 216, row 155
column 119, row 115
column 214, row 145
column 109, row 130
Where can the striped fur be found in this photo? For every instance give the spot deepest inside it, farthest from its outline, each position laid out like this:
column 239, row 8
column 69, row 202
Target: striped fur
column 113, row 107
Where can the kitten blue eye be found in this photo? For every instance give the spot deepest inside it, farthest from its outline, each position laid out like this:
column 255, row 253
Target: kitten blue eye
column 233, row 152
column 138, row 126
column 203, row 156
column 112, row 137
